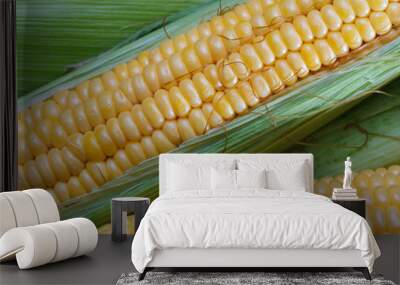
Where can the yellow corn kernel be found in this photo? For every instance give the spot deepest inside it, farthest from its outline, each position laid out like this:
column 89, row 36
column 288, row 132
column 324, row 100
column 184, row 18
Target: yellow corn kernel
column 87, row 181
column 129, row 127
column 344, row 10
column 180, row 41
column 177, row 66
column 57, row 165
column 115, row 132
column 191, row 60
column 135, row 152
column 74, row 165
column 365, row 29
column 381, row 22
column 213, row 118
column 226, row 74
column 254, row 7
column 76, row 146
column 80, row 118
column 185, row 129
column 250, row 57
column 230, row 19
column 104, row 140
column 247, row 93
column 310, row 57
column 164, row 105
column 284, row 71
column 273, row 14
column 178, row 102
column 143, row 58
column 223, row 107
column 83, row 90
column 317, row 24
column 95, row 87
column 61, row 191
column 190, row 93
column 134, row 67
column 203, row 52
column 217, row 48
column 153, row 114
column 92, row 149
column 170, row 129
column 239, row 67
column 300, row 22
column 148, row 147
column 331, row 18
column 337, row 43
column 325, row 52
column 198, row 121
column 32, row 174
column 43, row 167
column 298, row 65
column 150, row 76
column 75, row 188
column 393, row 12
column 140, row 87
column 106, row 105
column 274, row 82
column 360, row 7
column 263, row 50
column 113, row 170
column 263, row 83
column 121, row 71
column 204, row 29
column 164, row 73
column 277, row 44
column 110, row 80
column 211, row 73
column 242, row 12
column 141, row 120
column 161, row 142
column 289, row 8
column 236, row 101
column 122, row 161
column 98, row 172
column 204, row 87
column 351, row 36
column 291, row 38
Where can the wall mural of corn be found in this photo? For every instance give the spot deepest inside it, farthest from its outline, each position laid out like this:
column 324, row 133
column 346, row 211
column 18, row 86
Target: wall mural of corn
column 370, row 134
column 235, row 82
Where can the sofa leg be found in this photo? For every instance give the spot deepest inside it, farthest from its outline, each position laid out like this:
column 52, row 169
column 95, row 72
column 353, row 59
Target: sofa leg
column 142, row 275
column 364, row 271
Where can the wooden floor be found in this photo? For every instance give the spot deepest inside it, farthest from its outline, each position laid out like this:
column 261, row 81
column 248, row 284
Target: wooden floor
column 111, row 259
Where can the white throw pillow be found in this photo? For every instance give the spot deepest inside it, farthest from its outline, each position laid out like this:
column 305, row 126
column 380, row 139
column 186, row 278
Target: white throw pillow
column 251, row 178
column 281, row 174
column 183, row 178
column 223, row 179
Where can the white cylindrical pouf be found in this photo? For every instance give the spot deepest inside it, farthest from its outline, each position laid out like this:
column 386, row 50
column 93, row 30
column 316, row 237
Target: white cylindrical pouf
column 87, row 234
column 45, row 205
column 7, row 218
column 23, row 208
column 67, row 240
column 34, row 246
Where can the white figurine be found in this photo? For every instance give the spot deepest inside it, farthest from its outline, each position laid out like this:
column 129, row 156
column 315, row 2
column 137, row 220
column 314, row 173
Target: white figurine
column 348, row 175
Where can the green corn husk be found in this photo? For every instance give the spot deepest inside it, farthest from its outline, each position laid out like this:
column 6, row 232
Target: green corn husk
column 257, row 131
column 369, row 133
column 55, row 35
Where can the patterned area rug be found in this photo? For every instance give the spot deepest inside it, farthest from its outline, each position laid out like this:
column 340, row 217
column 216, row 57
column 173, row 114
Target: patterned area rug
column 243, row 278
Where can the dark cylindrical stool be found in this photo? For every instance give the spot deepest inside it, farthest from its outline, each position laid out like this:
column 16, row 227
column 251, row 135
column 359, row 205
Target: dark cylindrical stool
column 120, row 208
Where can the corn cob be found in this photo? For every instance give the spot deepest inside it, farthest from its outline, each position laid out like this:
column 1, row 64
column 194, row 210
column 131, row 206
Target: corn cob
column 150, row 125
column 381, row 188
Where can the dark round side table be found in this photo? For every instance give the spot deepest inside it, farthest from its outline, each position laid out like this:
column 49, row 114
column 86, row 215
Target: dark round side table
column 121, row 207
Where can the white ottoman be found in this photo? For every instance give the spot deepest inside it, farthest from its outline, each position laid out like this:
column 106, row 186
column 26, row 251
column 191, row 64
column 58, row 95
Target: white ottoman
column 31, row 232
